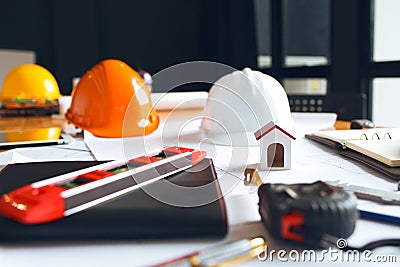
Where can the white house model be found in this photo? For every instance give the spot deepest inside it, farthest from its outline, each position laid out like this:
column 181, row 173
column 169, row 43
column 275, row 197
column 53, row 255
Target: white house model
column 275, row 147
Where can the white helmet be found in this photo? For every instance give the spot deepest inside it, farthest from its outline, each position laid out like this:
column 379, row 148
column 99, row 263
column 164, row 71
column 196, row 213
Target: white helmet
column 242, row 102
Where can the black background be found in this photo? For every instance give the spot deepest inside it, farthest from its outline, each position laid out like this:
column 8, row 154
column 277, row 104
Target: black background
column 70, row 37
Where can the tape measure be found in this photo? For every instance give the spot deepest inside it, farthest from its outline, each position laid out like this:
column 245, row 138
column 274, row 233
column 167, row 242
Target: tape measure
column 66, row 194
column 306, row 213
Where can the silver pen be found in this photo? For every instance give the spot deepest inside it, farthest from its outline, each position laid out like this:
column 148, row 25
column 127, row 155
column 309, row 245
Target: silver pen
column 220, row 255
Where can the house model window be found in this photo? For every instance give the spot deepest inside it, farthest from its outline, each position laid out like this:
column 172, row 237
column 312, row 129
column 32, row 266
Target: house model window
column 275, row 147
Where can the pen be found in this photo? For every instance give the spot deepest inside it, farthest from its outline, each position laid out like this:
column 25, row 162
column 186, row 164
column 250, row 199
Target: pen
column 379, row 217
column 220, row 255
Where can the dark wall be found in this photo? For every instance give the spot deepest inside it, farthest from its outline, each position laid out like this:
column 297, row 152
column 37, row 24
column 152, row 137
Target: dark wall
column 70, row 37
column 28, row 25
column 150, row 33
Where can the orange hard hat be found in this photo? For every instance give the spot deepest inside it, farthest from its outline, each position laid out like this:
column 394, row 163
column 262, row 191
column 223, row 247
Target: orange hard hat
column 112, row 100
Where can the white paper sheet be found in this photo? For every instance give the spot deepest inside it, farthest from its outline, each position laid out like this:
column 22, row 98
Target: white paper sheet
column 309, row 122
column 310, row 161
column 179, row 100
column 76, row 150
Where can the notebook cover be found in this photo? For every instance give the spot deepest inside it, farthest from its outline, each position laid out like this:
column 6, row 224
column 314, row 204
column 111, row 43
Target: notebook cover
column 132, row 216
column 392, row 172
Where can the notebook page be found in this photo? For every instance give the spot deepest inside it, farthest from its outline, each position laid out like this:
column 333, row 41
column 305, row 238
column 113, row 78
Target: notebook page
column 383, row 150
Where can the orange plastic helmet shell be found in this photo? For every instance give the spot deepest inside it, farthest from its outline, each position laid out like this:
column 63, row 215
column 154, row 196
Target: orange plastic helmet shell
column 112, row 100
column 30, row 81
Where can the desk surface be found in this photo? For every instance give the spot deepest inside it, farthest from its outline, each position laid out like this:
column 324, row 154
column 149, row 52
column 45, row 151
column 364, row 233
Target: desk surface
column 242, row 213
column 17, row 123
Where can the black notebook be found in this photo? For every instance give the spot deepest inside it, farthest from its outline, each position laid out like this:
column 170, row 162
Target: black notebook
column 132, row 216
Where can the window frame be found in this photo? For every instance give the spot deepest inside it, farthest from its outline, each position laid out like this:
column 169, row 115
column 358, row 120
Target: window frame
column 351, row 69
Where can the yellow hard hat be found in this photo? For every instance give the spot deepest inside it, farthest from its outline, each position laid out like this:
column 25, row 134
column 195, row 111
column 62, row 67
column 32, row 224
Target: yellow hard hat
column 30, row 81
column 108, row 95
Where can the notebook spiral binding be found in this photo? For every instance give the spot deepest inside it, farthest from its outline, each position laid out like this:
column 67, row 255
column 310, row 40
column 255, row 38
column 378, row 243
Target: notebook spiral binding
column 385, row 136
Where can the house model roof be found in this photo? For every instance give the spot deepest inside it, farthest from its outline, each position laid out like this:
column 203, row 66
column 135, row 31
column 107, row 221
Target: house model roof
column 268, row 128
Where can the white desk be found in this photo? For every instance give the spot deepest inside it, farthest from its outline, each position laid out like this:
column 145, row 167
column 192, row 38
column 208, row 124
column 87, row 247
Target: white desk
column 310, row 162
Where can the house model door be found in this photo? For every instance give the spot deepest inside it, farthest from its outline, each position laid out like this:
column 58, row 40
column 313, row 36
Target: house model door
column 276, row 155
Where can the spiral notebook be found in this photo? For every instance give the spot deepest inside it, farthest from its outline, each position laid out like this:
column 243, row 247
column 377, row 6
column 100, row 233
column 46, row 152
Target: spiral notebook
column 382, row 144
column 378, row 148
